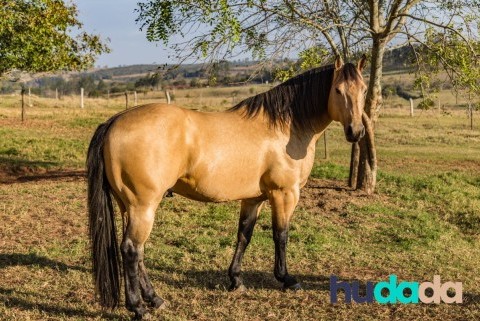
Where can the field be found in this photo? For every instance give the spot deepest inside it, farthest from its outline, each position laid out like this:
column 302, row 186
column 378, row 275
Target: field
column 423, row 221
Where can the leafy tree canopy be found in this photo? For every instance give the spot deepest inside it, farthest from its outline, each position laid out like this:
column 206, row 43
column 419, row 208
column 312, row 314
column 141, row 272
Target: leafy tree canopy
column 221, row 29
column 44, row 35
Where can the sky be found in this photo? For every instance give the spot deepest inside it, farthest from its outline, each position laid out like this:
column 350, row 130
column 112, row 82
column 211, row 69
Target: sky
column 115, row 20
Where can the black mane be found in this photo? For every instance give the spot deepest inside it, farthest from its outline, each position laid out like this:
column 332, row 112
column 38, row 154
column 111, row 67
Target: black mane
column 299, row 100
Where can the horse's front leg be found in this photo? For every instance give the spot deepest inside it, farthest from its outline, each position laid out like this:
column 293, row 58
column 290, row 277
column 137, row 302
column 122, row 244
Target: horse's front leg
column 283, row 202
column 248, row 216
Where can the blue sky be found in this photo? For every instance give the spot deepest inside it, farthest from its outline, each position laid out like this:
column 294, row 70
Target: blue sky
column 115, row 19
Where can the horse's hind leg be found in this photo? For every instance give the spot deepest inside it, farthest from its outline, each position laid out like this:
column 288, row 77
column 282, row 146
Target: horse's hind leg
column 248, row 216
column 146, row 287
column 140, row 222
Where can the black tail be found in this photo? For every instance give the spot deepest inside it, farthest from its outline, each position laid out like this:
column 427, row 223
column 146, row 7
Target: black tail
column 102, row 231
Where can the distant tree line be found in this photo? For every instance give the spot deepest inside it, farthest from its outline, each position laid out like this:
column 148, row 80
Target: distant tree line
column 92, row 85
column 101, row 83
column 222, row 73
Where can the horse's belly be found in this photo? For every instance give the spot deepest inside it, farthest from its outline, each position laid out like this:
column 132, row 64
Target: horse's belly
column 212, row 188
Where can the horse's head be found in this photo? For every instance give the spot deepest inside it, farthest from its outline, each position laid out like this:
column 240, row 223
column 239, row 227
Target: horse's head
column 347, row 98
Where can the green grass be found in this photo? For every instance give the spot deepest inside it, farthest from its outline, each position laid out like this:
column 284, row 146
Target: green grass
column 423, row 220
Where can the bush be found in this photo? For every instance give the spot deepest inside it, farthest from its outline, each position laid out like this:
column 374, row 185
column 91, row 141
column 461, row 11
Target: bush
column 426, row 104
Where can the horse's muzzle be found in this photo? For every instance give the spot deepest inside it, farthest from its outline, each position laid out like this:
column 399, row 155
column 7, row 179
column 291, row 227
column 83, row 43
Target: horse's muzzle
column 354, row 136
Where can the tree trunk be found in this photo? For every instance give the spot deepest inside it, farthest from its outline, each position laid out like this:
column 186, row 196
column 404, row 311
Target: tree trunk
column 354, row 160
column 365, row 164
column 367, row 167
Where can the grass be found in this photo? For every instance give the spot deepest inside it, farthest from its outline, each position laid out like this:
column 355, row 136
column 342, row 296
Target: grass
column 423, row 220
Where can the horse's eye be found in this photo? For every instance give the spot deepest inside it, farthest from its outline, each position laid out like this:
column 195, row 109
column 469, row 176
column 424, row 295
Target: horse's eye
column 338, row 91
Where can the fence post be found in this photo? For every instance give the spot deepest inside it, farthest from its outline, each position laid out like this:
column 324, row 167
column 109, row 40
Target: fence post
column 81, row 98
column 325, row 143
column 411, row 107
column 126, row 100
column 135, row 98
column 23, row 103
column 29, row 97
column 56, row 93
column 470, row 109
column 167, row 94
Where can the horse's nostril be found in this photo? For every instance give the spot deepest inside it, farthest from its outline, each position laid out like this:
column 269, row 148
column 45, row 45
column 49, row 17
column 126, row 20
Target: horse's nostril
column 350, row 131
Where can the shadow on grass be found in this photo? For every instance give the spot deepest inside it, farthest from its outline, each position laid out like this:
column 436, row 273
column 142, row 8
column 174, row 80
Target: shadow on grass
column 471, row 299
column 10, row 300
column 52, row 176
column 20, row 259
column 13, row 298
column 17, row 164
column 22, row 171
column 218, row 279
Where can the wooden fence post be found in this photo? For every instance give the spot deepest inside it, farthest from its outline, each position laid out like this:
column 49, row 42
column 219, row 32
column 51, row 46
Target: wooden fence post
column 135, row 98
column 167, row 94
column 23, row 104
column 470, row 111
column 81, row 98
column 126, row 100
column 411, row 107
column 325, row 143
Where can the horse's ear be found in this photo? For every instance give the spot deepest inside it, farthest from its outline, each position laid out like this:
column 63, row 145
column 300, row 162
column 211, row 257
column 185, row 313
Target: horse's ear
column 362, row 62
column 338, row 63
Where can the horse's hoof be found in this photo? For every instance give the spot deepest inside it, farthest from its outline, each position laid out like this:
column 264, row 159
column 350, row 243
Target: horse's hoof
column 142, row 315
column 147, row 316
column 158, row 303
column 238, row 289
column 294, row 287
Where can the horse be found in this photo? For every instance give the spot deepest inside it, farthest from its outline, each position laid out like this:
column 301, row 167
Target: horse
column 261, row 149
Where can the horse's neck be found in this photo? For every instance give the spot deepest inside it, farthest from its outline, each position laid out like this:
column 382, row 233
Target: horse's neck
column 312, row 135
column 301, row 143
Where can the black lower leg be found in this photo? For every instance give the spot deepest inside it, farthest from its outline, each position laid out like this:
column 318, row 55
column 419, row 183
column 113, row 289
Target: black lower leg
column 133, row 297
column 245, row 231
column 146, row 287
column 280, row 237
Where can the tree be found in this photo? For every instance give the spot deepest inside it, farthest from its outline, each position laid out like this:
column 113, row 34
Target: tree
column 444, row 48
column 221, row 29
column 37, row 36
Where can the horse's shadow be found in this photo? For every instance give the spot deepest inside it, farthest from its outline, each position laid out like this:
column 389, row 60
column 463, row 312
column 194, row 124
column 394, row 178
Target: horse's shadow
column 211, row 279
column 253, row 280
column 32, row 259
column 10, row 299
column 16, row 298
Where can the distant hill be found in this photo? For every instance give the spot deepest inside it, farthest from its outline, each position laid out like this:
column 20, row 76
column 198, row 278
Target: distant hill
column 134, row 72
column 396, row 59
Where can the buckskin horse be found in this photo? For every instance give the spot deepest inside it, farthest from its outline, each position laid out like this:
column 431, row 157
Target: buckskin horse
column 261, row 149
